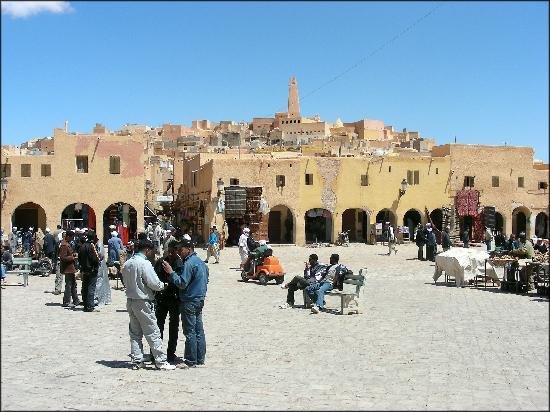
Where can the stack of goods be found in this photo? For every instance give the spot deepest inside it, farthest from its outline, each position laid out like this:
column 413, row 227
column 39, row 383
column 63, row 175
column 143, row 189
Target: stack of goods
column 235, row 202
column 540, row 257
column 252, row 212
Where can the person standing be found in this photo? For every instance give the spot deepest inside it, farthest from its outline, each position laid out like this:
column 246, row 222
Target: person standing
column 431, row 244
column 38, row 243
column 157, row 234
column 465, row 237
column 141, row 283
column 391, row 240
column 488, row 238
column 420, row 240
column 213, row 246
column 48, row 245
column 89, row 265
column 67, row 267
column 446, row 239
column 103, row 287
column 114, row 248
column 192, row 281
column 169, row 238
column 243, row 245
column 12, row 239
column 27, row 239
column 167, row 300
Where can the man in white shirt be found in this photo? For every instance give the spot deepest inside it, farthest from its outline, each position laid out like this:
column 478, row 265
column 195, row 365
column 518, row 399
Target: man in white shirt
column 243, row 246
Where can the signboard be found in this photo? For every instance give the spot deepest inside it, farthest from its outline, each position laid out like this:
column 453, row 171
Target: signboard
column 165, row 198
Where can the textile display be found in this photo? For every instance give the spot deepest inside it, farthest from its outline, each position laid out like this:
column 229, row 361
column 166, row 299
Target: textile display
column 463, row 264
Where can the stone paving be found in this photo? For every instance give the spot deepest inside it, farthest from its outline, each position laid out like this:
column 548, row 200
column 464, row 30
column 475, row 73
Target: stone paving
column 416, row 346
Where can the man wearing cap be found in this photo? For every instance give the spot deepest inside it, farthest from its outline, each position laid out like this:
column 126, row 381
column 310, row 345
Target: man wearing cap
column 49, row 246
column 213, row 246
column 115, row 247
column 89, row 265
column 192, row 281
column 27, row 239
column 141, row 283
column 243, row 245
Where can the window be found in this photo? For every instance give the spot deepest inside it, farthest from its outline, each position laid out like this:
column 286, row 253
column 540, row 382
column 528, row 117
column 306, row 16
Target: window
column 469, row 181
column 389, row 169
column 520, row 181
column 6, row 170
column 309, row 179
column 26, row 170
column 413, row 177
column 195, row 179
column 46, row 170
column 234, row 181
column 436, row 170
column 82, row 164
column 114, row 165
column 496, row 181
column 543, row 185
column 280, row 180
column 364, row 180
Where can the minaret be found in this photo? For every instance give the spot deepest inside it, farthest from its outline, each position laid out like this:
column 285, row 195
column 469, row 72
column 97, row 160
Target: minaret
column 293, row 100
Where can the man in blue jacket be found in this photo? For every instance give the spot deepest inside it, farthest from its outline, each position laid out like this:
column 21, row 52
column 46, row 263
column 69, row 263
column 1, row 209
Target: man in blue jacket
column 192, row 280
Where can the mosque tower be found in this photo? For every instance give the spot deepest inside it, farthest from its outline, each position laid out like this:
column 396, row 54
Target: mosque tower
column 293, row 100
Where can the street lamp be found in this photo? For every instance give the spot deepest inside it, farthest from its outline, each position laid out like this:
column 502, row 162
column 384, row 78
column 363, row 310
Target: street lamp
column 403, row 188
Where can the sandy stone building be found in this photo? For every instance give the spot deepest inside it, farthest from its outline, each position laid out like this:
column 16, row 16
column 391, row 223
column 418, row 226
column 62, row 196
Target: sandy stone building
column 91, row 180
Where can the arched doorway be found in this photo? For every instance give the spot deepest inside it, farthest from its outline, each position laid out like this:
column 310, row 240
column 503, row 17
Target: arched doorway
column 124, row 217
column 541, row 225
column 78, row 215
column 318, row 225
column 519, row 221
column 411, row 220
column 437, row 218
column 386, row 215
column 357, row 221
column 29, row 215
column 499, row 223
column 280, row 225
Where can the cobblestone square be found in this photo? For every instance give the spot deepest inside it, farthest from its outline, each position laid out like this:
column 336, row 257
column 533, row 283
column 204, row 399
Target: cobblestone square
column 415, row 346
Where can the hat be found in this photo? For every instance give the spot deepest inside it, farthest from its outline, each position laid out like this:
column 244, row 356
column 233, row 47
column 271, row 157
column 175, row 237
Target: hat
column 263, row 242
column 14, row 227
column 48, row 229
column 113, row 233
column 31, row 228
column 213, row 227
column 429, row 229
column 184, row 242
column 246, row 230
column 112, row 227
column 428, row 225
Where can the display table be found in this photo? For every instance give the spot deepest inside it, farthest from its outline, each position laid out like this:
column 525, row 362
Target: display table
column 463, row 264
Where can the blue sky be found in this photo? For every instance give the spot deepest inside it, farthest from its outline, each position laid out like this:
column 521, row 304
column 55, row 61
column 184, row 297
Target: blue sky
column 474, row 70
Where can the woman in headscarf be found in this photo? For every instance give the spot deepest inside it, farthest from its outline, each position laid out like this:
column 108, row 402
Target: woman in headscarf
column 103, row 287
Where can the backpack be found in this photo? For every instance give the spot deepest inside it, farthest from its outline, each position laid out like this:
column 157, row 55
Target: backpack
column 341, row 272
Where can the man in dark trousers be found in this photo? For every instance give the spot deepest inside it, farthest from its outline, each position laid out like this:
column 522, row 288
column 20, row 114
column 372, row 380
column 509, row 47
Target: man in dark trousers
column 192, row 282
column 167, row 301
column 49, row 247
column 67, row 259
column 89, row 265
column 313, row 273
column 420, row 240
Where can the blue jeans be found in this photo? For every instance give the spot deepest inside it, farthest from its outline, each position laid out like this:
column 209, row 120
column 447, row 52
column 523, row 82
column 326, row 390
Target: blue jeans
column 318, row 289
column 195, row 341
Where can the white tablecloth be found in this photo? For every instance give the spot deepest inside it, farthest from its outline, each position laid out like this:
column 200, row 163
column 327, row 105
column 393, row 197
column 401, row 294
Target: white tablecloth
column 463, row 264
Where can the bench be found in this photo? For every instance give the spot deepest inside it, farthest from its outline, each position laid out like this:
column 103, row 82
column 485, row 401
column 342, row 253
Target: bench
column 24, row 268
column 349, row 298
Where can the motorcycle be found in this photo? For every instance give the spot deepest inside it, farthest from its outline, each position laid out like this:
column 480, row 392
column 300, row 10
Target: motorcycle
column 343, row 238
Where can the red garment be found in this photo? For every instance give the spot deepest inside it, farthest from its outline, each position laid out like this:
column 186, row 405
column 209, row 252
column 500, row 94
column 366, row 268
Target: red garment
column 124, row 233
column 91, row 219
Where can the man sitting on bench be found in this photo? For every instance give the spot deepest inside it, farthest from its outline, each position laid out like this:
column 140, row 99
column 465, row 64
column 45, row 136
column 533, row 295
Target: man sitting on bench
column 316, row 292
column 313, row 273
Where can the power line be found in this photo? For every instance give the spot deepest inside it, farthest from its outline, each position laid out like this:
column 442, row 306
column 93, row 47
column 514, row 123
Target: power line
column 379, row 48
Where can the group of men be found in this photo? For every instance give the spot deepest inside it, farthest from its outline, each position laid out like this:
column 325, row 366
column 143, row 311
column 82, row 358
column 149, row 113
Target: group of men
column 425, row 236
column 174, row 285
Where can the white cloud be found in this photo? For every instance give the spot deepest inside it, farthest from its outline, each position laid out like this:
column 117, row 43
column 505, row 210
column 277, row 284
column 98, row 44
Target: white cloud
column 24, row 9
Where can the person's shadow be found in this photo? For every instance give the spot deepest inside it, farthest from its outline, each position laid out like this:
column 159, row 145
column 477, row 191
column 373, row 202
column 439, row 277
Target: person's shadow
column 115, row 364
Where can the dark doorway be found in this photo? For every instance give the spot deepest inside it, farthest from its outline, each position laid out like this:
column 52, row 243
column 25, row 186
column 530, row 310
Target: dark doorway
column 318, row 225
column 437, row 218
column 541, row 225
column 29, row 215
column 280, row 225
column 124, row 217
column 78, row 215
column 274, row 226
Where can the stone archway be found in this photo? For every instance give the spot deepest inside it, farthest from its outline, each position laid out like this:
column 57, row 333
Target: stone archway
column 27, row 215
column 386, row 215
column 357, row 221
column 412, row 219
column 318, row 225
column 78, row 215
column 499, row 223
column 124, row 217
column 436, row 216
column 541, row 225
column 280, row 225
column 520, row 219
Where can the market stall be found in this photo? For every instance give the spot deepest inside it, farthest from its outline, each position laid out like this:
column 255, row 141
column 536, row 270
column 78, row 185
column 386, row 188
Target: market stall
column 464, row 264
